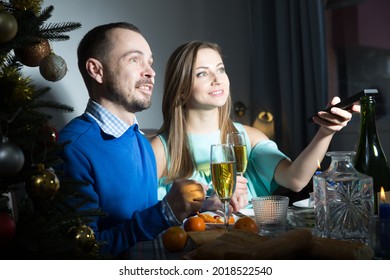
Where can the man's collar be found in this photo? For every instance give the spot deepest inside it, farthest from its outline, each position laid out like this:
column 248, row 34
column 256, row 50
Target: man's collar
column 108, row 122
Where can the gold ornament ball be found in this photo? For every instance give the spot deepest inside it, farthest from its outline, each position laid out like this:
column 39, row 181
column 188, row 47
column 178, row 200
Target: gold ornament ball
column 53, row 67
column 33, row 54
column 84, row 235
column 8, row 26
column 32, row 5
column 43, row 184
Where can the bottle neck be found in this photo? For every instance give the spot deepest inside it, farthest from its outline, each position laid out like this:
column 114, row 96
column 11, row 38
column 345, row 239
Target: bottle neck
column 368, row 122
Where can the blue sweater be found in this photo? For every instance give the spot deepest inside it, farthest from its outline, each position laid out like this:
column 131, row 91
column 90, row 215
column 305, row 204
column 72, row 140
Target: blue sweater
column 122, row 179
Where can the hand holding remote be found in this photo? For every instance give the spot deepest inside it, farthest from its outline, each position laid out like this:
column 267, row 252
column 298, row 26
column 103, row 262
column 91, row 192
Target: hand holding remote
column 350, row 101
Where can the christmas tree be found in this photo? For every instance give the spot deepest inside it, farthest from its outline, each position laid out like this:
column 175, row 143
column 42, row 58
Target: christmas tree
column 35, row 220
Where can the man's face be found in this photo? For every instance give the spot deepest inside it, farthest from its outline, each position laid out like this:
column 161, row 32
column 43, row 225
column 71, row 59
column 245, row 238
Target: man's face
column 128, row 75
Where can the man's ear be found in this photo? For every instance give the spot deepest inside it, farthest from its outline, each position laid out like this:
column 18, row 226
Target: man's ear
column 95, row 69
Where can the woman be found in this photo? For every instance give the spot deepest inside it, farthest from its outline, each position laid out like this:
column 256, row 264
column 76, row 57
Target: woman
column 196, row 110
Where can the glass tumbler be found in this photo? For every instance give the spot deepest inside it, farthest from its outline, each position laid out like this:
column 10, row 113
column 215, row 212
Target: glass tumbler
column 271, row 213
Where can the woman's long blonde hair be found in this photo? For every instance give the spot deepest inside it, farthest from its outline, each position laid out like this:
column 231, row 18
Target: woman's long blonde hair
column 179, row 79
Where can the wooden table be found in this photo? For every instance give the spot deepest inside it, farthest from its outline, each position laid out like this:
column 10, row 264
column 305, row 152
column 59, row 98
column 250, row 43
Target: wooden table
column 154, row 249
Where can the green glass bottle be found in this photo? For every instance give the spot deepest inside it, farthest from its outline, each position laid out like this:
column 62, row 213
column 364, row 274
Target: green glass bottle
column 370, row 158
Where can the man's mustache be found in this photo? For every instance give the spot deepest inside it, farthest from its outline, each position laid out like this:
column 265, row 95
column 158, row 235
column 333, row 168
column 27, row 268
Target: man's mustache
column 144, row 81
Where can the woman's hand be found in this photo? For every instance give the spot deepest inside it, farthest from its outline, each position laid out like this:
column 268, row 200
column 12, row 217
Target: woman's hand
column 240, row 197
column 336, row 119
column 238, row 201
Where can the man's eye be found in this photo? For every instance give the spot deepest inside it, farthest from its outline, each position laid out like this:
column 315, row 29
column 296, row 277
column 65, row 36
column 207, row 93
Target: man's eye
column 134, row 60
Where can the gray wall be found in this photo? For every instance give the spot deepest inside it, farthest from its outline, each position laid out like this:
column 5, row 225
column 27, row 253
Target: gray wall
column 165, row 24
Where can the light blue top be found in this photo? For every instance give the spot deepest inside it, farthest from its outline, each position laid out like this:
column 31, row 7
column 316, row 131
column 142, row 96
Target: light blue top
column 262, row 162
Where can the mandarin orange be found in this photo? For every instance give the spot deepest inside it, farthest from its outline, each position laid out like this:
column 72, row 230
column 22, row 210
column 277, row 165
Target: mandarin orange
column 246, row 224
column 207, row 218
column 194, row 223
column 221, row 220
column 216, row 219
column 175, row 239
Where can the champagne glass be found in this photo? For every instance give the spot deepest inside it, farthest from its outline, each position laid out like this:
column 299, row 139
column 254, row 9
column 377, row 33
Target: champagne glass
column 237, row 139
column 223, row 175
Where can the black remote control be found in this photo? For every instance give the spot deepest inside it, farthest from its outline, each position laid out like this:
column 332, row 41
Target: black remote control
column 350, row 101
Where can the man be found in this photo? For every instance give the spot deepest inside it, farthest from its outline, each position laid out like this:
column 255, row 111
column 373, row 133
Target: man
column 107, row 150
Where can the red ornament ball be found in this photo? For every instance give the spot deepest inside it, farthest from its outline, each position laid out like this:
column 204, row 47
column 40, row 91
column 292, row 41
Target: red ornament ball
column 7, row 228
column 48, row 135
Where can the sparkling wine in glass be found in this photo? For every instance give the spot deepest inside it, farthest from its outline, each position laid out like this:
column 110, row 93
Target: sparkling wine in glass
column 237, row 139
column 223, row 175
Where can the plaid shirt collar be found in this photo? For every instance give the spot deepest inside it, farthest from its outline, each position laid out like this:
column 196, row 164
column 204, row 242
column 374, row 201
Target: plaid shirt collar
column 107, row 121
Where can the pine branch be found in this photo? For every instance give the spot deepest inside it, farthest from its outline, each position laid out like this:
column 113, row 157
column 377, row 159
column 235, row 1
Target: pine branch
column 45, row 14
column 38, row 93
column 28, row 27
column 32, row 28
column 37, row 104
column 8, row 61
column 53, row 31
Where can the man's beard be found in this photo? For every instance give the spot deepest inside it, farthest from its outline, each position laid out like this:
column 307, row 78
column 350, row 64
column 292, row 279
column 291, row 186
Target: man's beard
column 130, row 103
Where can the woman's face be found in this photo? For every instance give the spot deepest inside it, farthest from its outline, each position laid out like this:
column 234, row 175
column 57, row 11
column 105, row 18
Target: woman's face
column 211, row 83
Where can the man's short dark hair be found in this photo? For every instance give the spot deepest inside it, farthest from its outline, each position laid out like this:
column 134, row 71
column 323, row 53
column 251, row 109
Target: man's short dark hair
column 96, row 44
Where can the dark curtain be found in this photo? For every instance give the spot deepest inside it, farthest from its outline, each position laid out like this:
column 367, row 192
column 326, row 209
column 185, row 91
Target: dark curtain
column 289, row 67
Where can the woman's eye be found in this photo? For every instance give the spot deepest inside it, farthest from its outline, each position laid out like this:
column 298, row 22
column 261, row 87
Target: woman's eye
column 221, row 70
column 201, row 74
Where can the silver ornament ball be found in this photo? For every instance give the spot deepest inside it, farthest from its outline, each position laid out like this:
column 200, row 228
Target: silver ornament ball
column 11, row 158
column 53, row 67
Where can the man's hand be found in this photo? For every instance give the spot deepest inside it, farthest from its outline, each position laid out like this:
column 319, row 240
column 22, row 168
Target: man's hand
column 212, row 203
column 185, row 198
